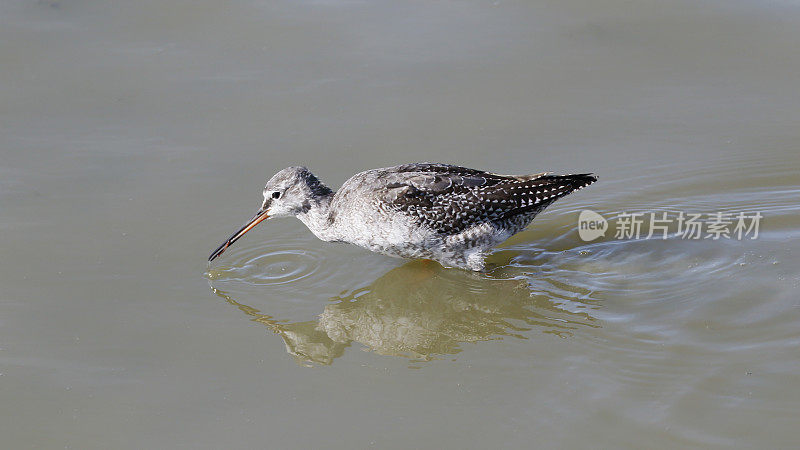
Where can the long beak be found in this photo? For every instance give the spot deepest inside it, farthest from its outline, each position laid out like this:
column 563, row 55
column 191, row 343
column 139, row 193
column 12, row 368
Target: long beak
column 261, row 215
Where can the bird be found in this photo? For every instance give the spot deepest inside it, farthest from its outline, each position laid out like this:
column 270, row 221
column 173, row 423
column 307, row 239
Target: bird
column 450, row 214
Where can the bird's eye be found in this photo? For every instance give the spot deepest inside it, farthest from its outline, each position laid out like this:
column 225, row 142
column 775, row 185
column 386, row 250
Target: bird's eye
column 276, row 194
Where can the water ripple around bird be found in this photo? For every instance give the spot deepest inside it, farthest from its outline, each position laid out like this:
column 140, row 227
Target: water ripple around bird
column 270, row 263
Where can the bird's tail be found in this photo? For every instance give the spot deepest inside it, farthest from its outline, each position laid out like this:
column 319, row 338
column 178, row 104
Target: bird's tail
column 536, row 192
column 574, row 181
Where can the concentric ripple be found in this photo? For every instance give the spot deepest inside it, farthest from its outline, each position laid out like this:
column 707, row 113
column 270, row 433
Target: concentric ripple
column 297, row 269
column 272, row 263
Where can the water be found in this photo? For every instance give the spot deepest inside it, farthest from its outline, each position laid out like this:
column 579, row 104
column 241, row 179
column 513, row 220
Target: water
column 135, row 136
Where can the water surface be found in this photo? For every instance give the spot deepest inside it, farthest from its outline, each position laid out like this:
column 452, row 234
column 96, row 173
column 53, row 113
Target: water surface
column 136, row 135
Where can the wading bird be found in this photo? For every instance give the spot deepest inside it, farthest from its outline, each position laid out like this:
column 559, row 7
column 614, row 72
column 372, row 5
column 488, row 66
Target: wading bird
column 450, row 214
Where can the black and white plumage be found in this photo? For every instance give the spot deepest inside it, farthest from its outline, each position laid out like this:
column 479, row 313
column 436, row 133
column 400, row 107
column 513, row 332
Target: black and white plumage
column 450, row 214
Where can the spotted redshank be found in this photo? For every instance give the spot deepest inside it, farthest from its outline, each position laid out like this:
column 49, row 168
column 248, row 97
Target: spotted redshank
column 450, row 214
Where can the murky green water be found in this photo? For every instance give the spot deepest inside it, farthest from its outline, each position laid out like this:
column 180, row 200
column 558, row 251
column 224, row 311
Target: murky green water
column 136, row 135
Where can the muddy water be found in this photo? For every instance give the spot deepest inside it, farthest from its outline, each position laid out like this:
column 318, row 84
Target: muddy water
column 135, row 136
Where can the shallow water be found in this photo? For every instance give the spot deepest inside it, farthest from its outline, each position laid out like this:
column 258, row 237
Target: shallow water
column 136, row 136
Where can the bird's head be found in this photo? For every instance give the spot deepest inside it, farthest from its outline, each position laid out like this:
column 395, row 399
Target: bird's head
column 289, row 192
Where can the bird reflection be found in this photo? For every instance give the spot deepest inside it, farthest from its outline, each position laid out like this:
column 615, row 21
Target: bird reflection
column 422, row 311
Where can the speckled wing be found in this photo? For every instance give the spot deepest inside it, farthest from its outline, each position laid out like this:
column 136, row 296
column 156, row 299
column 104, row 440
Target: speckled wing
column 451, row 199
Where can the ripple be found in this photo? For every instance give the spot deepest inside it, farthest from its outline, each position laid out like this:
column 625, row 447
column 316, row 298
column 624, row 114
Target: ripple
column 272, row 263
column 671, row 290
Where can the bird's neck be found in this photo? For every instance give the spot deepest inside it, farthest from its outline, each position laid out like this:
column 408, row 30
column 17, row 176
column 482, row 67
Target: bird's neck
column 318, row 217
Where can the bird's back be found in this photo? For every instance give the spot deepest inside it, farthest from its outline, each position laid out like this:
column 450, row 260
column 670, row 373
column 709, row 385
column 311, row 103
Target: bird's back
column 451, row 199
